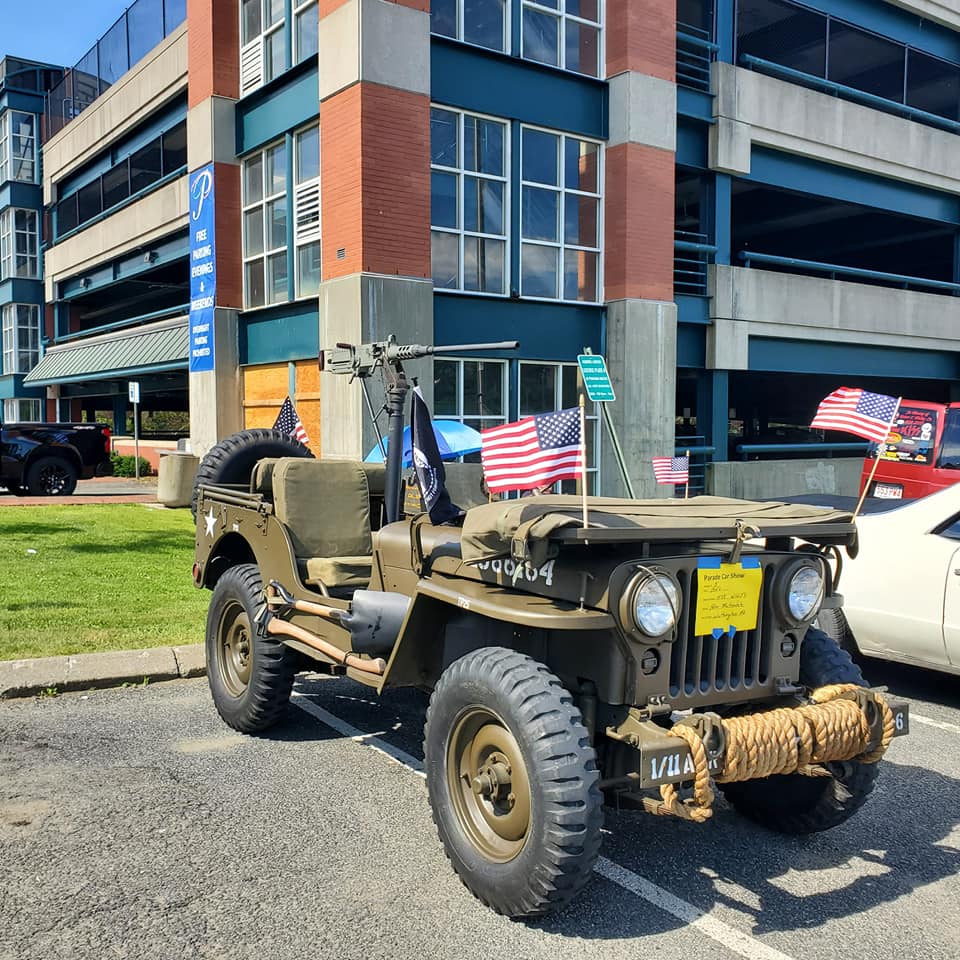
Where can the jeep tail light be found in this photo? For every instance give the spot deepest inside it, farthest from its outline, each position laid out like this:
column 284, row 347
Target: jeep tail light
column 106, row 440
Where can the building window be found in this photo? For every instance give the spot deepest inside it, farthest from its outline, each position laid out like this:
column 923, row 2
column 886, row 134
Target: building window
column 21, row 411
column 546, row 387
column 19, row 244
column 306, row 210
column 162, row 157
column 306, row 29
column 469, row 202
column 481, row 22
column 18, row 147
column 559, row 217
column 471, row 391
column 263, row 43
column 265, row 227
column 563, row 37
column 21, row 337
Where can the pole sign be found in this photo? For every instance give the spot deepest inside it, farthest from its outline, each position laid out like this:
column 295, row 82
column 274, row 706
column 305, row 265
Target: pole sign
column 595, row 378
column 203, row 269
column 134, row 387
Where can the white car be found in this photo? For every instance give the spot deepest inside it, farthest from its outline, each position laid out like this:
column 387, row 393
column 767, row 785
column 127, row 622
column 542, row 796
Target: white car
column 901, row 595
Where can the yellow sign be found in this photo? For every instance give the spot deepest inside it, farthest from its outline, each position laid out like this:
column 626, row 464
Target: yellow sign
column 728, row 597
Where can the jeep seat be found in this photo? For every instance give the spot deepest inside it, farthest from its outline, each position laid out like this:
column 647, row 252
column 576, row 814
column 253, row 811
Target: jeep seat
column 325, row 507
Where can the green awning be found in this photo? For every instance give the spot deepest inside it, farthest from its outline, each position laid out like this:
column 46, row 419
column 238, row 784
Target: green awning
column 148, row 349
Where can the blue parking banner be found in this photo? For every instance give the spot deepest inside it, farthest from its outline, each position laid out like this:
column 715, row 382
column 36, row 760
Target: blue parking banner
column 203, row 270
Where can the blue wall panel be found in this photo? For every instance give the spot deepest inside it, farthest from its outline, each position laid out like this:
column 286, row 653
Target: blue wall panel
column 502, row 86
column 28, row 196
column 692, row 140
column 11, row 387
column 287, row 332
column 15, row 290
column 691, row 345
column 779, row 169
column 283, row 105
column 692, row 309
column 850, row 359
column 694, row 103
column 546, row 331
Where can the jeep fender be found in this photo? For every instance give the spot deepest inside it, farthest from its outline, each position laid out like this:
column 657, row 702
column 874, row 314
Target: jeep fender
column 417, row 657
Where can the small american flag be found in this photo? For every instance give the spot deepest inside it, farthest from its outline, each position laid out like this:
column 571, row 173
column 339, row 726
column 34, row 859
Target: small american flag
column 671, row 469
column 533, row 452
column 857, row 411
column 289, row 423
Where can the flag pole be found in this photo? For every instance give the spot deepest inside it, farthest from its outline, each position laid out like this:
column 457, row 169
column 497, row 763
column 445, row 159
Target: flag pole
column 686, row 486
column 583, row 459
column 876, row 460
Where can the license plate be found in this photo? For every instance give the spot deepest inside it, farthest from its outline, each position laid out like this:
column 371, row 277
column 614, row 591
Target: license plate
column 728, row 596
column 888, row 491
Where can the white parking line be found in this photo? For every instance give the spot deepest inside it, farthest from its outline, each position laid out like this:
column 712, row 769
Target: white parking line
column 730, row 937
column 929, row 722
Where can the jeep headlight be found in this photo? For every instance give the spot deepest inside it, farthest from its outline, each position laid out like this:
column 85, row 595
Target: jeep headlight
column 656, row 604
column 804, row 591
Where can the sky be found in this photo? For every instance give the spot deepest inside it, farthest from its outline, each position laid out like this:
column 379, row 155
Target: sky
column 55, row 31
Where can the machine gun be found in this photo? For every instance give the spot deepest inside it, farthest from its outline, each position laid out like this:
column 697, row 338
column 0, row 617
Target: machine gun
column 362, row 361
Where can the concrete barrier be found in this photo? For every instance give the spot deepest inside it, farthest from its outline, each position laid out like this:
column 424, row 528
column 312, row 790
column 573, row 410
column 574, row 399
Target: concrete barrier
column 764, row 479
column 176, row 475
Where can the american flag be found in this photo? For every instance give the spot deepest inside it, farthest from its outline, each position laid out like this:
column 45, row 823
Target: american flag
column 532, row 452
column 289, row 423
column 857, row 411
column 671, row 469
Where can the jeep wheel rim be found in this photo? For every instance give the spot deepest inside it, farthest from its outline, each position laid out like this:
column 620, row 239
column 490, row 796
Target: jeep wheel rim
column 236, row 653
column 488, row 784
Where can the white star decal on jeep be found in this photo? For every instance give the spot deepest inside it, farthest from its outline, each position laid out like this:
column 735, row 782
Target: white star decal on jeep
column 210, row 520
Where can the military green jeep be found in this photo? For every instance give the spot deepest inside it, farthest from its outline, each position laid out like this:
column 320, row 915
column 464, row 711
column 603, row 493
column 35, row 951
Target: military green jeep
column 665, row 648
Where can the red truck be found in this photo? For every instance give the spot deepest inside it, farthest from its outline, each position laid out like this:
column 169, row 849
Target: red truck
column 921, row 454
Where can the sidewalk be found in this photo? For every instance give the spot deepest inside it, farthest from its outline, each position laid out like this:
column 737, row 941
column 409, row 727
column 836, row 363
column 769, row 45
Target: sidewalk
column 98, row 490
column 25, row 678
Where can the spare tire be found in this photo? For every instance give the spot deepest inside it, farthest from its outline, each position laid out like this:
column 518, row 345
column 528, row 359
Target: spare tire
column 232, row 460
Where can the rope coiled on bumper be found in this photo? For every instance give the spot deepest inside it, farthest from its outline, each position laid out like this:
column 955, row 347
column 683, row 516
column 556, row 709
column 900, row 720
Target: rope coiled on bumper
column 833, row 727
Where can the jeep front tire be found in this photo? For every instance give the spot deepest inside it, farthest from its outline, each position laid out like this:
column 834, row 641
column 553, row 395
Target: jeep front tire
column 513, row 782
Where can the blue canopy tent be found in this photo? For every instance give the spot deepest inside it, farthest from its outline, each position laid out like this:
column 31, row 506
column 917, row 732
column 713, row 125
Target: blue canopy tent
column 454, row 439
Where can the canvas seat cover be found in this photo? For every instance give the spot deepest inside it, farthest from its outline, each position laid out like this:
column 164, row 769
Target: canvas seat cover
column 325, row 507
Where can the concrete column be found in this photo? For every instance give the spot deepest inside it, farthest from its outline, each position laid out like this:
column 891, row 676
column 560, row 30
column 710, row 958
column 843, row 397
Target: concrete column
column 642, row 357
column 216, row 407
column 641, row 325
column 374, row 80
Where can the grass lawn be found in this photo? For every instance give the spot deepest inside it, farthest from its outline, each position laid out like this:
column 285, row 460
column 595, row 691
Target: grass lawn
column 97, row 577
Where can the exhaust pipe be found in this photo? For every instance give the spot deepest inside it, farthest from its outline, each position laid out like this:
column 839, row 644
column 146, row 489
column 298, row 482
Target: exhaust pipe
column 276, row 626
column 278, row 596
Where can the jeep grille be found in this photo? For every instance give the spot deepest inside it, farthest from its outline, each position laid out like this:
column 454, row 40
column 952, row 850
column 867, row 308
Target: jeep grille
column 703, row 666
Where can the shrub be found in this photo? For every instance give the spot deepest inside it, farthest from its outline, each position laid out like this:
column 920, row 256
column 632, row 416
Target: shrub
column 123, row 466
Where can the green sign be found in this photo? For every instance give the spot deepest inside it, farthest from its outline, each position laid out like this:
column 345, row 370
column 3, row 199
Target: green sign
column 595, row 378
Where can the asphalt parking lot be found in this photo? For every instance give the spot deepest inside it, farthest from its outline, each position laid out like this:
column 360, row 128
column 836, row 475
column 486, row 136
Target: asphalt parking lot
column 133, row 823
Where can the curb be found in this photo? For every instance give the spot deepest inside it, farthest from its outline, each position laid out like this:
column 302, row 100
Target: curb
column 86, row 671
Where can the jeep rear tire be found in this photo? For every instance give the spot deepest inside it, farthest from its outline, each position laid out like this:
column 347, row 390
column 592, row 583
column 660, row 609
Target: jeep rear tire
column 797, row 804
column 513, row 782
column 249, row 673
column 232, row 460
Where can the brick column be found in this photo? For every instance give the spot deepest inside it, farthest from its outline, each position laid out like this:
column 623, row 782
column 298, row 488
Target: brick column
column 375, row 193
column 639, row 226
column 214, row 85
